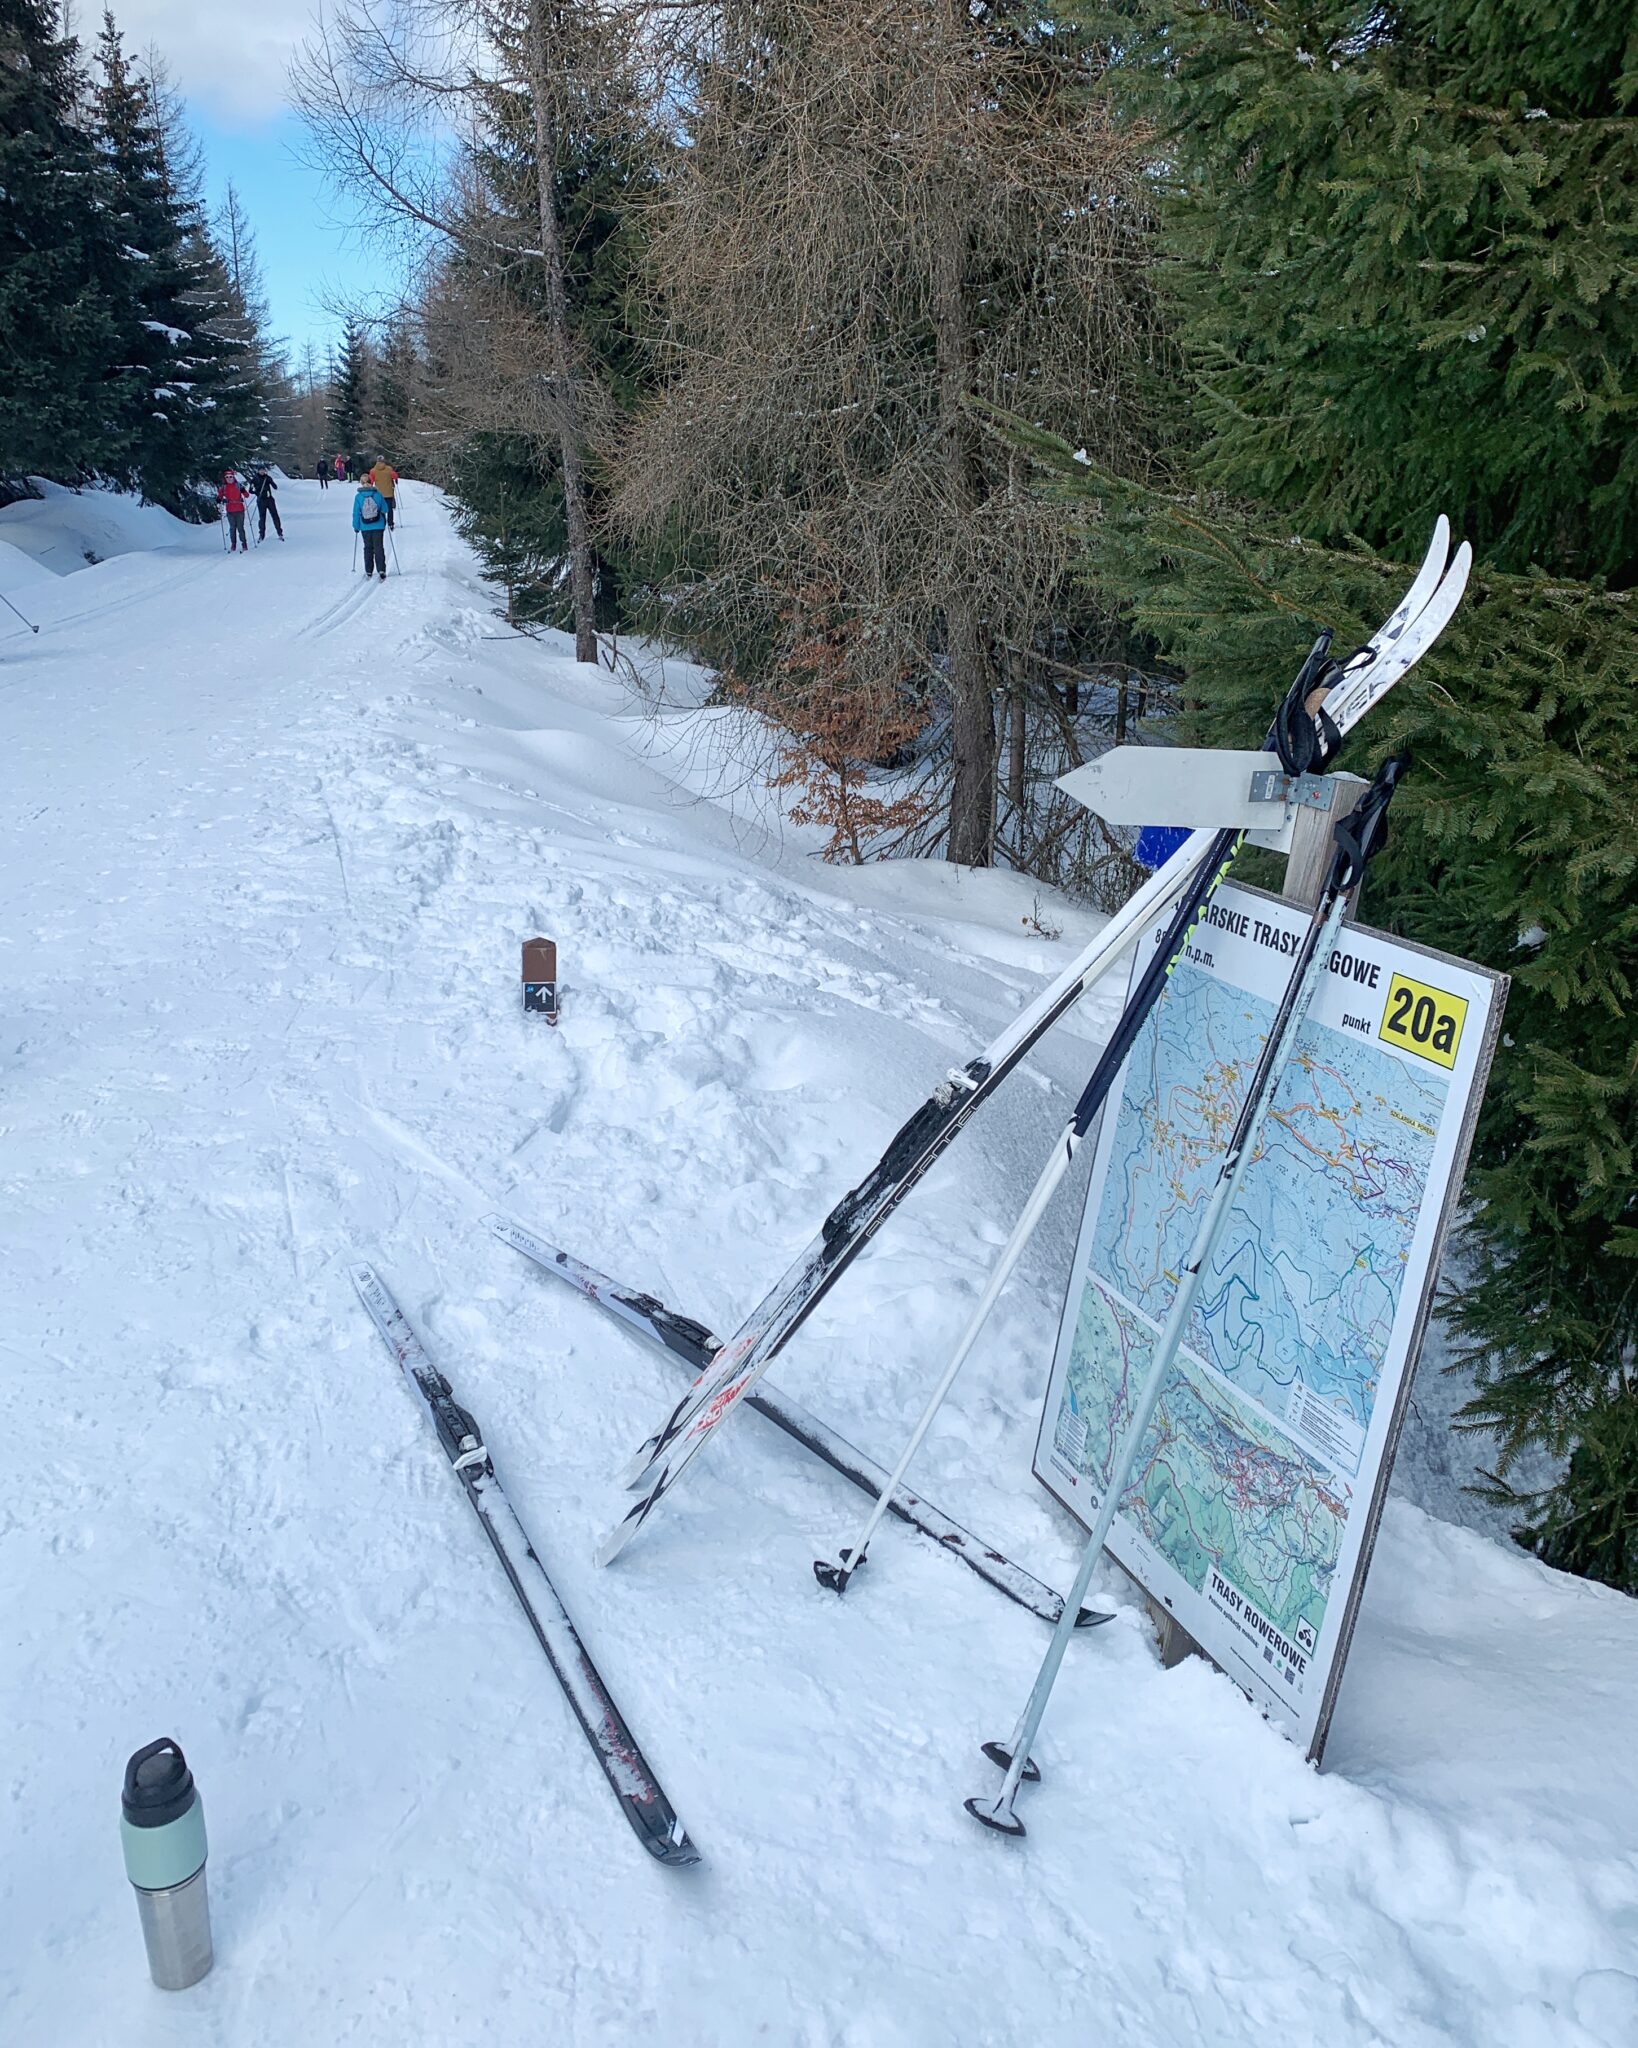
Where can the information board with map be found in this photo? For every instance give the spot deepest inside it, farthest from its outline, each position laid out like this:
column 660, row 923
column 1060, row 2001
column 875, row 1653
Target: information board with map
column 1253, row 1504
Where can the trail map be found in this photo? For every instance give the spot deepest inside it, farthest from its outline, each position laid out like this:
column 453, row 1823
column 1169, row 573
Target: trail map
column 1255, row 1491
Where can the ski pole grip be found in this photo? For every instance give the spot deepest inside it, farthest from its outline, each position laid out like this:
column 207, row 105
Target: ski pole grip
column 1363, row 833
column 1304, row 738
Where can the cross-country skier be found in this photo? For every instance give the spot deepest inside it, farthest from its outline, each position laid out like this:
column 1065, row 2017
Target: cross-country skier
column 266, row 507
column 324, row 472
column 370, row 519
column 341, row 469
column 385, row 479
column 231, row 497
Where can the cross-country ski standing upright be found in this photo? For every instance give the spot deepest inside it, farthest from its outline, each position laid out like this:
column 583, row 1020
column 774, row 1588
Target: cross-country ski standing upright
column 370, row 519
column 231, row 497
column 266, row 507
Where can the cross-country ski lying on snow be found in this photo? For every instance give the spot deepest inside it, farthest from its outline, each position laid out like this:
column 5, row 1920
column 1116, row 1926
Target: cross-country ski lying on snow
column 642, row 1799
column 694, row 1346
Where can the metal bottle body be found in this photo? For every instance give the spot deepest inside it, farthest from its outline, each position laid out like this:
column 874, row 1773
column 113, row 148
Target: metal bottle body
column 165, row 1861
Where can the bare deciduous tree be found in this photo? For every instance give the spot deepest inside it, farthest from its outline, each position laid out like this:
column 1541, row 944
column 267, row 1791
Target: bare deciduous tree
column 886, row 211
column 399, row 97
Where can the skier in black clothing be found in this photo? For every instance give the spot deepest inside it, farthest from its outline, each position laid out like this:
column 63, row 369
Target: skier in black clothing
column 262, row 484
column 323, row 474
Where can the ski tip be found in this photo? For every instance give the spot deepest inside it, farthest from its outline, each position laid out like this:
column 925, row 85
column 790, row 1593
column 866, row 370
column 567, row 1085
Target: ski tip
column 633, row 1475
column 497, row 1224
column 617, row 1539
column 361, row 1274
column 1093, row 1617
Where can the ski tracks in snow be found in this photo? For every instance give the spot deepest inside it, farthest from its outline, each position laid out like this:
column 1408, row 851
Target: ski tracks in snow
column 259, row 972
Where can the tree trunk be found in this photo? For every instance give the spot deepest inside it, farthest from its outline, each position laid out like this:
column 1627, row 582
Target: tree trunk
column 570, row 446
column 972, row 789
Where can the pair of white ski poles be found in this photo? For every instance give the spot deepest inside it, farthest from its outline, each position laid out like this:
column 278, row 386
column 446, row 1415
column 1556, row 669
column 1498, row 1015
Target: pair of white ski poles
column 1357, row 838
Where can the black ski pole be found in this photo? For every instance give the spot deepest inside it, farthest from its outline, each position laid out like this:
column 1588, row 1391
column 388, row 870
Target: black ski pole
column 10, row 607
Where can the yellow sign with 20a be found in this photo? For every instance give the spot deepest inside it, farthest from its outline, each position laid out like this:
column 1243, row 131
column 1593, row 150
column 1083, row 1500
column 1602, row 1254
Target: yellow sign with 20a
column 1423, row 1020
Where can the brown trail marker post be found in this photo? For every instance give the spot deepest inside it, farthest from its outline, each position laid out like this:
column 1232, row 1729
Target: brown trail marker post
column 540, row 977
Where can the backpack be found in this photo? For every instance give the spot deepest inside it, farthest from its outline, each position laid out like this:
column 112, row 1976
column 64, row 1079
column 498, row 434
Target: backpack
column 370, row 508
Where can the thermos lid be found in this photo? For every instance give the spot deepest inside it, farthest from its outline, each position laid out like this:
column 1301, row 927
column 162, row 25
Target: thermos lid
column 158, row 1785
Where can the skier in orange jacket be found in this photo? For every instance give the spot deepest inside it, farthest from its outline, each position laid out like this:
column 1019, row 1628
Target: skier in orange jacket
column 385, row 479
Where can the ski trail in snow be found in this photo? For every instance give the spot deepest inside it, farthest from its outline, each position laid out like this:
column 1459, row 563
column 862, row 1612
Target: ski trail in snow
column 417, row 1150
column 341, row 858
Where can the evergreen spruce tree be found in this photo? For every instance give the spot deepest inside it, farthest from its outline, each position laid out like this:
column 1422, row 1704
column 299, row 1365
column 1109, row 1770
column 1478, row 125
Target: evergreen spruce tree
column 224, row 367
column 508, row 487
column 234, row 316
column 349, row 389
column 1401, row 241
column 153, row 343
column 228, row 418
column 63, row 286
column 191, row 400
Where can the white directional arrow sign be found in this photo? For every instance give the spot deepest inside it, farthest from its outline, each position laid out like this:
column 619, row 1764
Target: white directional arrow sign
column 1201, row 787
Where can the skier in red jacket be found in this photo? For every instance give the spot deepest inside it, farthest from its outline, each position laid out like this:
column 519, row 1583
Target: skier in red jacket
column 230, row 496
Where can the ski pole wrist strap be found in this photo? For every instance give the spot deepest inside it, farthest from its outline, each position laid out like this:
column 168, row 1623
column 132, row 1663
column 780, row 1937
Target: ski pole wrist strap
column 1361, row 835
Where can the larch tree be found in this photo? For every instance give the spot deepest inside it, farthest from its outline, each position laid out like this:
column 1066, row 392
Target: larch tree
column 881, row 216
column 392, row 96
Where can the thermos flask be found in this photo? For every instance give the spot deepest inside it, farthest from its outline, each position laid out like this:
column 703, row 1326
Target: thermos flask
column 162, row 1828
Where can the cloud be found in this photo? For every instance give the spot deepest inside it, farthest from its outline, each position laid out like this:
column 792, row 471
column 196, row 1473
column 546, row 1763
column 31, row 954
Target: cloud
column 231, row 58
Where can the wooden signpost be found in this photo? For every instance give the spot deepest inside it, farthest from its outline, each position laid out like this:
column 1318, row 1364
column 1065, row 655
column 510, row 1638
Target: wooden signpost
column 540, row 978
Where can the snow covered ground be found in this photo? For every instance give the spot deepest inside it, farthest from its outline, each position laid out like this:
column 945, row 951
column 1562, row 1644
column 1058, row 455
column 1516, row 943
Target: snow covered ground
column 272, row 840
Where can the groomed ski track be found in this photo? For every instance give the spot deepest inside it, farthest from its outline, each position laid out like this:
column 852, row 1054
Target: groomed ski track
column 270, row 844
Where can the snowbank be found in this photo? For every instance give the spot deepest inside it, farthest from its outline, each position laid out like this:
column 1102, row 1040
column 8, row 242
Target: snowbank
column 19, row 572
column 64, row 531
column 277, row 839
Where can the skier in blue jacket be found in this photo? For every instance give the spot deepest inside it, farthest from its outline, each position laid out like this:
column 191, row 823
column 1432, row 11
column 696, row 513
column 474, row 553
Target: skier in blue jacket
column 370, row 519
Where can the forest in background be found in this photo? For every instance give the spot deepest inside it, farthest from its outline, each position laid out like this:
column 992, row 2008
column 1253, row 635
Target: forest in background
column 969, row 387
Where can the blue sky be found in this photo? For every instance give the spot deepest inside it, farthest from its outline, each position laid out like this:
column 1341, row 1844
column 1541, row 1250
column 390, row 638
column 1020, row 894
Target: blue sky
column 309, row 256
column 230, row 61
